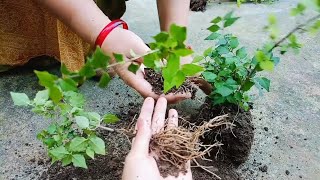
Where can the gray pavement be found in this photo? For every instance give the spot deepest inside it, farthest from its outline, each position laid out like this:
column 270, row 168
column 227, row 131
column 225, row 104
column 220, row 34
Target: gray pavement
column 287, row 119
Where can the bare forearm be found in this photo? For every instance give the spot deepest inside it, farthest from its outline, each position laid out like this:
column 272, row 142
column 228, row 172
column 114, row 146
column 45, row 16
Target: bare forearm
column 82, row 16
column 173, row 11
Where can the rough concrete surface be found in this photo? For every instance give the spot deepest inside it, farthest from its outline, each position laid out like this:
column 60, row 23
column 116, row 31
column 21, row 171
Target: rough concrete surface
column 287, row 119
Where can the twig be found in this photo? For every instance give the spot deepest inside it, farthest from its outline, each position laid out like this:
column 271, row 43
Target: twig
column 205, row 168
column 107, row 128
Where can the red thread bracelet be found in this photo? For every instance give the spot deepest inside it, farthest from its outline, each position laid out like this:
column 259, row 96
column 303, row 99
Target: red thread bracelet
column 106, row 30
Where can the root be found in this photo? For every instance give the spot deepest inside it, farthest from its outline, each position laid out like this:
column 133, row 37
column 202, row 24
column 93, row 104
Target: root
column 178, row 146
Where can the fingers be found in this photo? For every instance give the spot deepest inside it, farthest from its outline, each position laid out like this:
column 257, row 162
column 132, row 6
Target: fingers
column 175, row 98
column 141, row 143
column 172, row 119
column 159, row 115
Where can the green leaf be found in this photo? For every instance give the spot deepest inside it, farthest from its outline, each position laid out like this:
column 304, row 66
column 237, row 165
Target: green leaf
column 216, row 20
column 264, row 82
column 178, row 79
column 52, row 129
column 133, row 68
column 149, row 60
column 214, row 28
column 67, row 160
column 197, row 59
column 64, row 70
column 234, row 42
column 78, row 160
column 224, row 91
column 247, row 85
column 99, row 59
column 272, row 19
column 58, row 152
column 78, row 144
column 161, row 37
column 261, row 56
column 45, row 79
column 179, row 33
column 191, row 69
column 68, row 84
column 104, row 80
column 228, row 15
column 209, row 76
column 97, row 145
column 118, row 57
column 55, row 93
column 173, row 65
column 213, row 36
column 74, row 99
column 230, row 21
column 110, row 118
column 266, row 65
column 207, row 52
column 94, row 116
column 183, row 52
column 242, row 53
column 41, row 97
column 90, row 152
column 298, row 10
column 20, row 99
column 167, row 86
column 82, row 122
column 222, row 50
column 87, row 71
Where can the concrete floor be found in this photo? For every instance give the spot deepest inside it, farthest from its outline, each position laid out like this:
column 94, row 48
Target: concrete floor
column 287, row 119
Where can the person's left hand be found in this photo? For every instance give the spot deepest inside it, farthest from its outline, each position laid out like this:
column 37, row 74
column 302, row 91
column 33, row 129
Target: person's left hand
column 140, row 164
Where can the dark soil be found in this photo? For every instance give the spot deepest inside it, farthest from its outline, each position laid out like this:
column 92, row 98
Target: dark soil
column 156, row 81
column 198, row 5
column 236, row 140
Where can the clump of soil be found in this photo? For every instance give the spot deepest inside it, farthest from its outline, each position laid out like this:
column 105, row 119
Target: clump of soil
column 198, row 5
column 236, row 139
column 156, row 81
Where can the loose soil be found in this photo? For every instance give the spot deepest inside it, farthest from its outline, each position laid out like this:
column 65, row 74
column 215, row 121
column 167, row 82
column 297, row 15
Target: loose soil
column 234, row 151
column 156, row 81
column 198, row 5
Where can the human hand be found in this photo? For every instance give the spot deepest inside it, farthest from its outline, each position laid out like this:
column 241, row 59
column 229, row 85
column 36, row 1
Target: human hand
column 122, row 41
column 140, row 164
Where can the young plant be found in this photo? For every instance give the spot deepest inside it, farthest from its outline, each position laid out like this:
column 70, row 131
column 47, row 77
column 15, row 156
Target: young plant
column 167, row 50
column 71, row 137
column 232, row 72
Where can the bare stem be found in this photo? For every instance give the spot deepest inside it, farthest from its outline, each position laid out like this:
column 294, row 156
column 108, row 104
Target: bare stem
column 107, row 128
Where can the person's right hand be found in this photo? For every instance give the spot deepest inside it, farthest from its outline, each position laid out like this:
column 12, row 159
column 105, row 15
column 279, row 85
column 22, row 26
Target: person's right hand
column 121, row 41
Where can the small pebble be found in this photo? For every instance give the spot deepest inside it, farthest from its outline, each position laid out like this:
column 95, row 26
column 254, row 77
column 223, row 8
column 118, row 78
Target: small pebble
column 263, row 168
column 287, row 172
column 266, row 128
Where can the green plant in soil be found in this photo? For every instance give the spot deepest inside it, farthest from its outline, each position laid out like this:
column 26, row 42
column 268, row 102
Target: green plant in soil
column 72, row 137
column 230, row 69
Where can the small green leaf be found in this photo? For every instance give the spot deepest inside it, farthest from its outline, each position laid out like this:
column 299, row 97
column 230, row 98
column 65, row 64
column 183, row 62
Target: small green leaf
column 242, row 53
column 46, row 79
column 197, row 59
column 179, row 33
column 55, row 93
column 67, row 160
column 230, row 21
column 178, row 79
column 78, row 144
column 234, row 42
column 209, row 76
column 87, row 71
column 298, row 10
column 104, row 80
column 64, row 70
column 207, row 52
column 133, row 68
column 191, row 69
column 213, row 36
column 216, row 20
column 118, row 57
column 272, row 19
column 224, row 91
column 110, row 118
column 167, row 86
column 222, row 50
column 78, row 160
column 58, row 152
column 97, row 145
column 82, row 122
column 41, row 97
column 214, row 28
column 264, row 82
column 161, row 37
column 68, row 84
column 266, row 65
column 228, row 15
column 99, row 59
column 74, row 99
column 20, row 99
column 247, row 85
column 149, row 60
column 90, row 152
column 183, row 52
column 52, row 129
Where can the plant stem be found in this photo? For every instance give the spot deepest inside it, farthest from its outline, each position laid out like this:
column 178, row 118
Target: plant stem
column 107, row 128
column 294, row 30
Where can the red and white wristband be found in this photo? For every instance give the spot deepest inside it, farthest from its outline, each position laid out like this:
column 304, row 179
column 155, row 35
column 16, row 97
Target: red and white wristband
column 106, row 30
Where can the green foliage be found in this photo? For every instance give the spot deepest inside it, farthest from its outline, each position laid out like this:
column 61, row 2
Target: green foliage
column 71, row 138
column 165, row 56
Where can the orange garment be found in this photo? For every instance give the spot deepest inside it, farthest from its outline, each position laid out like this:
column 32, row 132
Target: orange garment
column 27, row 31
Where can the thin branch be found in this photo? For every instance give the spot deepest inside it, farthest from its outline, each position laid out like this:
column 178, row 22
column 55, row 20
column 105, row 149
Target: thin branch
column 107, row 128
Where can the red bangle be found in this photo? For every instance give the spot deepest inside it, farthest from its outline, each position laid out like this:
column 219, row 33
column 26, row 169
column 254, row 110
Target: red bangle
column 106, row 30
